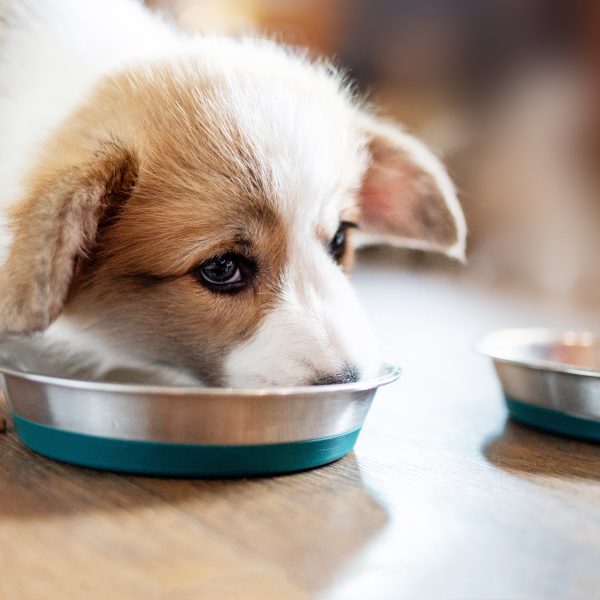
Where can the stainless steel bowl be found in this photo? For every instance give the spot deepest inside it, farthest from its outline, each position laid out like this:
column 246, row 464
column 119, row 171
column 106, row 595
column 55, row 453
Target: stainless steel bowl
column 171, row 430
column 550, row 378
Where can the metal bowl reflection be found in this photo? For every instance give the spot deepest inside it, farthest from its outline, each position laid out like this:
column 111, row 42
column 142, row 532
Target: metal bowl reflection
column 550, row 378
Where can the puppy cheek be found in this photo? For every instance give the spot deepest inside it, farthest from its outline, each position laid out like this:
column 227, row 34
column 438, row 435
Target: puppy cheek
column 262, row 361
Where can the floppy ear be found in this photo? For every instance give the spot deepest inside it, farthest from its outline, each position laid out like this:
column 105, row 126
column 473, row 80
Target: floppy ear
column 406, row 197
column 52, row 228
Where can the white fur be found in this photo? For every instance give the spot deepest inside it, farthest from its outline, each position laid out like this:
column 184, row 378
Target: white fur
column 52, row 52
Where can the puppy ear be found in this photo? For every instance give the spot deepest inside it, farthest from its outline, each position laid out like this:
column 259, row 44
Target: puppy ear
column 52, row 228
column 406, row 197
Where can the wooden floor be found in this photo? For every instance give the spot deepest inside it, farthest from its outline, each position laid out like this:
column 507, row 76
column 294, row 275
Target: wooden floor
column 442, row 498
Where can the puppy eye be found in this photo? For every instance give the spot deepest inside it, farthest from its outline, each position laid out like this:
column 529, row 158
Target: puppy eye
column 224, row 273
column 337, row 245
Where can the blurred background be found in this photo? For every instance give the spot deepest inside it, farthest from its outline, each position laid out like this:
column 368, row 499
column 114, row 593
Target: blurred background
column 505, row 91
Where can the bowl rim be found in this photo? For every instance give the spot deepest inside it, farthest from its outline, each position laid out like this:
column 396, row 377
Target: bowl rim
column 389, row 373
column 496, row 345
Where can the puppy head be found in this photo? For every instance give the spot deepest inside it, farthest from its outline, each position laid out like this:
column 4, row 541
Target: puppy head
column 200, row 213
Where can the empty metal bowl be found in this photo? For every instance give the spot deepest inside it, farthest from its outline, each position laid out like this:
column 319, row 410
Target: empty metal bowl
column 550, row 378
column 184, row 431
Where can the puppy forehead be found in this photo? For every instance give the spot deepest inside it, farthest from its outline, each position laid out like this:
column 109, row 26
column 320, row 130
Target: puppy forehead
column 287, row 138
column 309, row 148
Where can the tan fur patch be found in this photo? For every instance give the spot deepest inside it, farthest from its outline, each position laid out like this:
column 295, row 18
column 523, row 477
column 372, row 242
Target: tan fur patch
column 52, row 227
column 199, row 192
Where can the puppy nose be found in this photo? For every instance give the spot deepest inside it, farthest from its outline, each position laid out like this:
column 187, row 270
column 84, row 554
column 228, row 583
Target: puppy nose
column 348, row 374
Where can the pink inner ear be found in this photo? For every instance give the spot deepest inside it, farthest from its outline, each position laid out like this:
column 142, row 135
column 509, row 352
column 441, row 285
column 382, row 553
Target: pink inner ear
column 387, row 198
column 400, row 198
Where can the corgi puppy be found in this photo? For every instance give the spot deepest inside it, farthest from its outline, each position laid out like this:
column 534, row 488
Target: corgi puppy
column 191, row 204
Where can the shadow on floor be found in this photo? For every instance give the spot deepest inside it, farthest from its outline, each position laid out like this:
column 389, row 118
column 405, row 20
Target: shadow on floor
column 523, row 449
column 309, row 524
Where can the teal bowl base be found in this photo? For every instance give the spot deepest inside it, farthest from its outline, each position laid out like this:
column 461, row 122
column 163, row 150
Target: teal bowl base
column 181, row 460
column 553, row 420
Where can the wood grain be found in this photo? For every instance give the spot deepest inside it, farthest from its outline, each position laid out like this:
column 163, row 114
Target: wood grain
column 442, row 498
